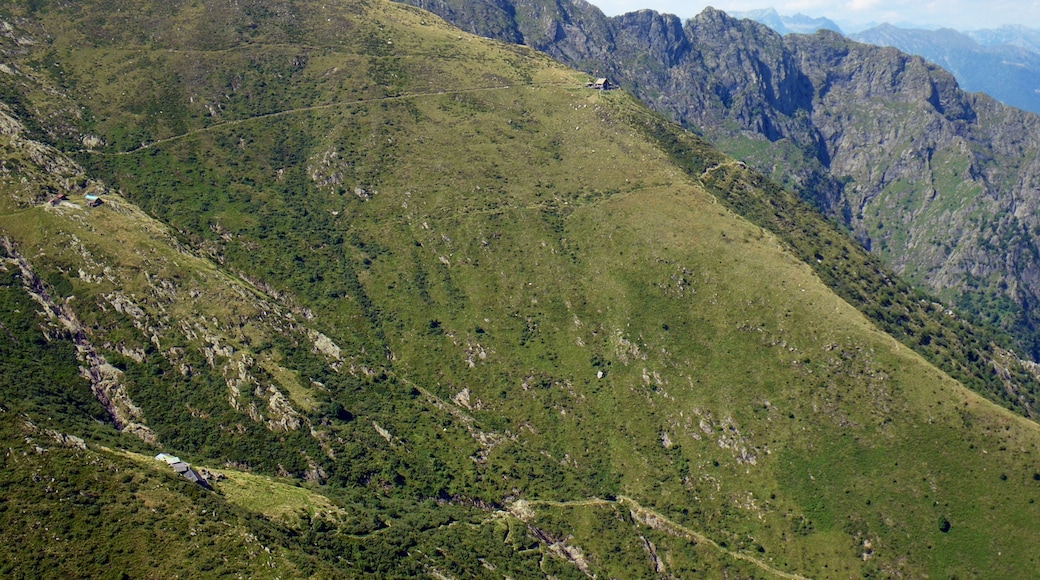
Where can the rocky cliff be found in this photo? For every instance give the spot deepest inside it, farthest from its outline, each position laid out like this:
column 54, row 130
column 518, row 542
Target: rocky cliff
column 1006, row 72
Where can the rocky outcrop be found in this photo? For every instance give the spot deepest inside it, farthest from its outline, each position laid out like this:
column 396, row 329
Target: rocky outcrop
column 151, row 294
column 106, row 381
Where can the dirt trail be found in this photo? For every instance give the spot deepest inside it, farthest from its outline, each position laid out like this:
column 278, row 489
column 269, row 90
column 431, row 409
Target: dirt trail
column 648, row 517
column 320, row 107
column 711, row 169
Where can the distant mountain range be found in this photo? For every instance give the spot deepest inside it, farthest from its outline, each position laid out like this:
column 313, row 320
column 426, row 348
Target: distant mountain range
column 1007, row 72
column 797, row 24
column 1003, row 62
column 1013, row 35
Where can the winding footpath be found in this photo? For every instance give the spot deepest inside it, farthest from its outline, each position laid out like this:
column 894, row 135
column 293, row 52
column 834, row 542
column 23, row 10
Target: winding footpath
column 521, row 509
column 323, row 106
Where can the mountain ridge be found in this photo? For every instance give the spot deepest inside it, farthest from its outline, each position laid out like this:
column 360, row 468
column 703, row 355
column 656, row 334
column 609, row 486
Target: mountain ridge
column 1012, row 34
column 428, row 330
column 1007, row 73
column 834, row 119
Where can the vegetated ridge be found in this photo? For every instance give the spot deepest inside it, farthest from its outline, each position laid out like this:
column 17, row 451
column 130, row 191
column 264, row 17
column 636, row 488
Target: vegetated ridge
column 941, row 184
column 433, row 307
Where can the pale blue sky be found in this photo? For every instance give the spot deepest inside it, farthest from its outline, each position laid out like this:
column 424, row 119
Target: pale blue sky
column 958, row 14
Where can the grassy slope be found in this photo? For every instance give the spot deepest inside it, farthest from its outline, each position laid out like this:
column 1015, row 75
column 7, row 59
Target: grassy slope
column 974, row 354
column 511, row 244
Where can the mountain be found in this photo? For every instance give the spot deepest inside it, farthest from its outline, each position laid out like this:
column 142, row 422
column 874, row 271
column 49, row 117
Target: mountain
column 424, row 304
column 1008, row 73
column 1014, row 35
column 784, row 24
column 1003, row 63
column 937, row 182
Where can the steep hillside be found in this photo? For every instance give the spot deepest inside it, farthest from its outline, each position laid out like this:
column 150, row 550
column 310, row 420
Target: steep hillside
column 433, row 307
column 939, row 183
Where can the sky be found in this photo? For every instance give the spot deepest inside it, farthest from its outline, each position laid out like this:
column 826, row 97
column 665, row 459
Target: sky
column 957, row 14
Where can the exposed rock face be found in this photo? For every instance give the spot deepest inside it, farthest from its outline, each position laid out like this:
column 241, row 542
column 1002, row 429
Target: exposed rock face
column 1006, row 72
column 106, row 381
column 37, row 174
column 493, row 18
column 941, row 183
column 944, row 185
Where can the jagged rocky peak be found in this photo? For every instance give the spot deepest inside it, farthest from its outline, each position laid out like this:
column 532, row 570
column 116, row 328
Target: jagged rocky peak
column 656, row 33
column 752, row 65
